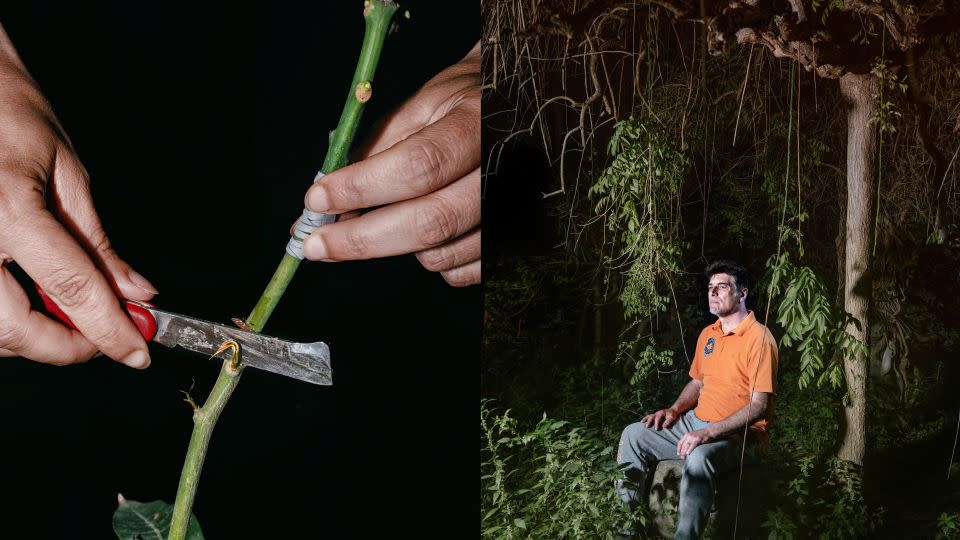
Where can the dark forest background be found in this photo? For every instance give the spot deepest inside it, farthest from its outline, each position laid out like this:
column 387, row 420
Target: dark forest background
column 202, row 124
column 626, row 145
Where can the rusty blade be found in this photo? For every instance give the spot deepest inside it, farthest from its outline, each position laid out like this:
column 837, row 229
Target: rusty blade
column 304, row 361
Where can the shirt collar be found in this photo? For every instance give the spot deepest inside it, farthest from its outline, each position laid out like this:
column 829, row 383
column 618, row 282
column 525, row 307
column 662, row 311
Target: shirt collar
column 741, row 328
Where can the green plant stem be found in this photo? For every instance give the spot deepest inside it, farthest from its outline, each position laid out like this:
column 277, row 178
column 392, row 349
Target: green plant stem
column 204, row 420
column 271, row 295
column 377, row 15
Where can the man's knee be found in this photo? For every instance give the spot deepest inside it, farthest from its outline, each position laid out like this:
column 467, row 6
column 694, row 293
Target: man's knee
column 631, row 433
column 699, row 461
column 634, row 431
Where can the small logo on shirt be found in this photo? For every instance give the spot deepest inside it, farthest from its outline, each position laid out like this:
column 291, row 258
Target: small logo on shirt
column 708, row 348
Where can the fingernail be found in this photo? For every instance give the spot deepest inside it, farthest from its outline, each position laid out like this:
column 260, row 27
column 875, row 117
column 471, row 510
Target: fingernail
column 316, row 199
column 141, row 282
column 137, row 359
column 314, row 248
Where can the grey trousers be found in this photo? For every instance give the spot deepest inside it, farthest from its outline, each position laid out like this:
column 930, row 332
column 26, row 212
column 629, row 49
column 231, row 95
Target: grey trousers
column 642, row 447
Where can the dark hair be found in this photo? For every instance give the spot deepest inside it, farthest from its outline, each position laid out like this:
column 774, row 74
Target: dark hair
column 741, row 279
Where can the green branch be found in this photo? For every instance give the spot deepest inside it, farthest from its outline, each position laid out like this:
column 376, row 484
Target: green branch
column 377, row 15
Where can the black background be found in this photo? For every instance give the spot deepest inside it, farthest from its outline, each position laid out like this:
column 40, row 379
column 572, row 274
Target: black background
column 201, row 126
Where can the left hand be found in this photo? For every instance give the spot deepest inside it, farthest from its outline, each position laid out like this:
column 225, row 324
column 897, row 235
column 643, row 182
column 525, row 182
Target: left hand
column 423, row 168
column 692, row 440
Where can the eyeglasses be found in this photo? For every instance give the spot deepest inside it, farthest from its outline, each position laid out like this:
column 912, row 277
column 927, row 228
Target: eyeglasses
column 722, row 287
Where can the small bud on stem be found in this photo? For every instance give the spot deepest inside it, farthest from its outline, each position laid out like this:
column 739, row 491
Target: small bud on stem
column 363, row 91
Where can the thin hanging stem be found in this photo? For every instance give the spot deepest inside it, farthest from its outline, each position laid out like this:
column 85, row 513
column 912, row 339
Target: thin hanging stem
column 799, row 238
column 377, row 15
column 786, row 174
column 954, row 450
column 876, row 215
column 743, row 92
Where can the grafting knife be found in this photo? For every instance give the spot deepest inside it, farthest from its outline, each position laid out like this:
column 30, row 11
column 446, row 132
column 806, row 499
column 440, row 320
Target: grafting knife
column 304, row 361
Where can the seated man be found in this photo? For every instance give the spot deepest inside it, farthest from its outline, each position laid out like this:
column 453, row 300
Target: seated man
column 732, row 377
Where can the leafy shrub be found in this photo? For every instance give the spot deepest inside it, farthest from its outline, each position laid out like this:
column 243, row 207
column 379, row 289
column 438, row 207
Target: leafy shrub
column 824, row 501
column 948, row 526
column 552, row 481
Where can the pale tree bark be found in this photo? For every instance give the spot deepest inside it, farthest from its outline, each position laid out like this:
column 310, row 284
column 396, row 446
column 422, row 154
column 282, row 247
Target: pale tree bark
column 858, row 93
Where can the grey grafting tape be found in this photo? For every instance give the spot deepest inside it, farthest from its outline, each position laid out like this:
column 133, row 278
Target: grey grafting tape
column 309, row 221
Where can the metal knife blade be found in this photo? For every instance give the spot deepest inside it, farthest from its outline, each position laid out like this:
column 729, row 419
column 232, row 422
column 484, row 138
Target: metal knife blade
column 304, row 361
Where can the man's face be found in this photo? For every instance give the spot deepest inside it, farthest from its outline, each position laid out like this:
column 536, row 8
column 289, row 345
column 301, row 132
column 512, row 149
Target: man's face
column 722, row 295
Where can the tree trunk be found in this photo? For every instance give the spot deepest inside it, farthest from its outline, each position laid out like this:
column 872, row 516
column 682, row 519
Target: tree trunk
column 858, row 92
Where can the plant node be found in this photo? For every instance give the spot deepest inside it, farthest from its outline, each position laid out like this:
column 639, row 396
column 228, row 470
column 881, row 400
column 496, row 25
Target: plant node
column 189, row 399
column 241, row 324
column 363, row 91
column 234, row 353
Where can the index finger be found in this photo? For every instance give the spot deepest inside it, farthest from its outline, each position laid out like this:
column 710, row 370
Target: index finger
column 426, row 161
column 56, row 262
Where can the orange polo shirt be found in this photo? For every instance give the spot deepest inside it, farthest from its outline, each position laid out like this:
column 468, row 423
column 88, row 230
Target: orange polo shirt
column 731, row 367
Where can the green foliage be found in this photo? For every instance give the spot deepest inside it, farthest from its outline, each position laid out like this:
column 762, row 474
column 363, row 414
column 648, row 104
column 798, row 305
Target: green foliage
column 948, row 526
column 778, row 165
column 647, row 388
column 807, row 420
column 799, row 487
column 531, row 310
column 739, row 222
column 592, row 394
column 634, row 194
column 134, row 520
column 887, row 115
column 784, row 525
column 824, row 502
column 914, row 420
column 849, row 516
column 810, row 321
column 650, row 360
column 828, row 6
column 552, row 481
column 780, row 524
column 645, row 162
column 517, row 290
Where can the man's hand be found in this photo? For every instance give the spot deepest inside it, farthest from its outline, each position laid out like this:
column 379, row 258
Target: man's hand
column 692, row 440
column 48, row 225
column 664, row 418
column 423, row 168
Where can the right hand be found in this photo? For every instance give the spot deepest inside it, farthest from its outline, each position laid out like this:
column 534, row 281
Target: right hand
column 48, row 225
column 664, row 418
column 422, row 169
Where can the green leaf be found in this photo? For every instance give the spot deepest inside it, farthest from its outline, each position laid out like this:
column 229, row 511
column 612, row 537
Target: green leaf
column 134, row 520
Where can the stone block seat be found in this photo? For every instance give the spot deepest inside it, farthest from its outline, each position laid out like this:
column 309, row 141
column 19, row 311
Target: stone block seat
column 756, row 494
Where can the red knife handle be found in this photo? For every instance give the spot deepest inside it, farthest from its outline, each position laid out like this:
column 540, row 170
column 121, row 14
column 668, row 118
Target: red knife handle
column 142, row 318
